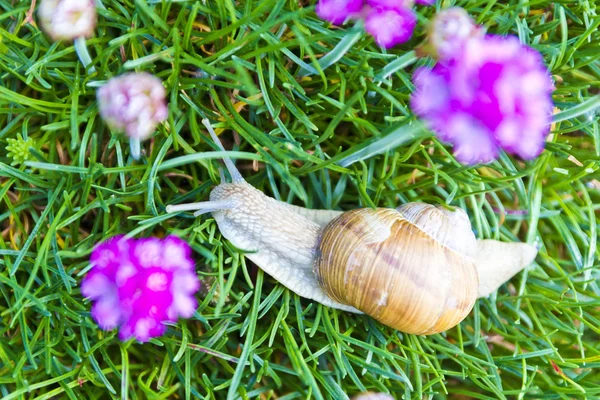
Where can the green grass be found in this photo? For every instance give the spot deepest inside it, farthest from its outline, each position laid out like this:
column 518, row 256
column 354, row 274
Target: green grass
column 317, row 141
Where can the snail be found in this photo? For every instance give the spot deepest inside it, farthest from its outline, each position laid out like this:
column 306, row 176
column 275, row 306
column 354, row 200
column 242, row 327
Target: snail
column 418, row 268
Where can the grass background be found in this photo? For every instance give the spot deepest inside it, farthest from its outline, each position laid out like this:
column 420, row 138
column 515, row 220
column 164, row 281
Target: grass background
column 239, row 64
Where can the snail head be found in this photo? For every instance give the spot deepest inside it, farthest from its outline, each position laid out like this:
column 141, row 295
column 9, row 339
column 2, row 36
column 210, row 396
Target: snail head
column 223, row 197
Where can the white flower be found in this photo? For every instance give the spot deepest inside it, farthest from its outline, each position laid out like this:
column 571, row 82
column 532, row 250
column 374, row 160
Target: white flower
column 133, row 103
column 67, row 19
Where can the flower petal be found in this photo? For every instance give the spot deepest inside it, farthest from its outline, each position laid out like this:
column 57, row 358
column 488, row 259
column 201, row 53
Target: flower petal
column 96, row 284
column 147, row 253
column 176, row 254
column 106, row 312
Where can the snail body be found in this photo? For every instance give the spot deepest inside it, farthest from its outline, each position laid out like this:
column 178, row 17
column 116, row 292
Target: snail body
column 418, row 268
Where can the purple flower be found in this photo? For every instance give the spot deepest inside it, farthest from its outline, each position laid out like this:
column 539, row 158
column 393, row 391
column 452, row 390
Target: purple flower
column 495, row 93
column 390, row 27
column 338, row 11
column 449, row 30
column 133, row 103
column 67, row 19
column 138, row 285
column 425, row 2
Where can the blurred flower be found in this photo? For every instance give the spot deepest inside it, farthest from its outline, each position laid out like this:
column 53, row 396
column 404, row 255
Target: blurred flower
column 18, row 149
column 449, row 30
column 133, row 103
column 338, row 11
column 494, row 93
column 390, row 26
column 140, row 284
column 390, row 22
column 67, row 19
column 425, row 2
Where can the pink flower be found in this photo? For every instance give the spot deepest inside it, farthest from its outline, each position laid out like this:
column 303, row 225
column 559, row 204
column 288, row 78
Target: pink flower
column 67, row 19
column 338, row 11
column 390, row 27
column 390, row 22
column 134, row 103
column 138, row 285
column 449, row 30
column 494, row 93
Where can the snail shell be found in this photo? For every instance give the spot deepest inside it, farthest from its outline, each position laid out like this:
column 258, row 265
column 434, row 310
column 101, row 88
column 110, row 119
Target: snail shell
column 412, row 268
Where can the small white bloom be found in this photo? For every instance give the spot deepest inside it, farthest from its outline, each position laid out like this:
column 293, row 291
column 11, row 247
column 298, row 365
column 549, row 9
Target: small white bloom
column 67, row 19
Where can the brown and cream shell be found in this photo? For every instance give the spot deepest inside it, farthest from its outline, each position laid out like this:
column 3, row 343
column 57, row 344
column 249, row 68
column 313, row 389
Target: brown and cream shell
column 411, row 268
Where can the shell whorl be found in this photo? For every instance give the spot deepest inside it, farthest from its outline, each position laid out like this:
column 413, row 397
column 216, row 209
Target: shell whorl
column 390, row 265
column 451, row 228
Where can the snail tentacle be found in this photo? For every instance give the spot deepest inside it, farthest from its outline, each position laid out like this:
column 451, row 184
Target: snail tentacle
column 236, row 177
column 201, row 207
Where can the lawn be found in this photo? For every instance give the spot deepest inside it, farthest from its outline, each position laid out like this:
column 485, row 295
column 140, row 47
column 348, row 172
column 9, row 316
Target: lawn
column 311, row 124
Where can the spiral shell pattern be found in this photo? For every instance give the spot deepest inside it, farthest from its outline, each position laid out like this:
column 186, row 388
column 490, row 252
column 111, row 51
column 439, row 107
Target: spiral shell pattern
column 399, row 267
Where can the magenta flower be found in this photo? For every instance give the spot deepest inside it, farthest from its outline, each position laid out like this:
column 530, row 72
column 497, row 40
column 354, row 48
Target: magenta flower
column 425, row 2
column 133, row 103
column 338, row 11
column 495, row 93
column 390, row 22
column 67, row 19
column 138, row 285
column 390, row 26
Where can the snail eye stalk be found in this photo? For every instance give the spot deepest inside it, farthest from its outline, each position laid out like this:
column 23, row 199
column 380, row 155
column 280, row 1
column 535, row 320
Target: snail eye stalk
column 236, row 177
column 202, row 207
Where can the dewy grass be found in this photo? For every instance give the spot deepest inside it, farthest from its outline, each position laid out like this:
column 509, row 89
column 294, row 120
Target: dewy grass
column 239, row 64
